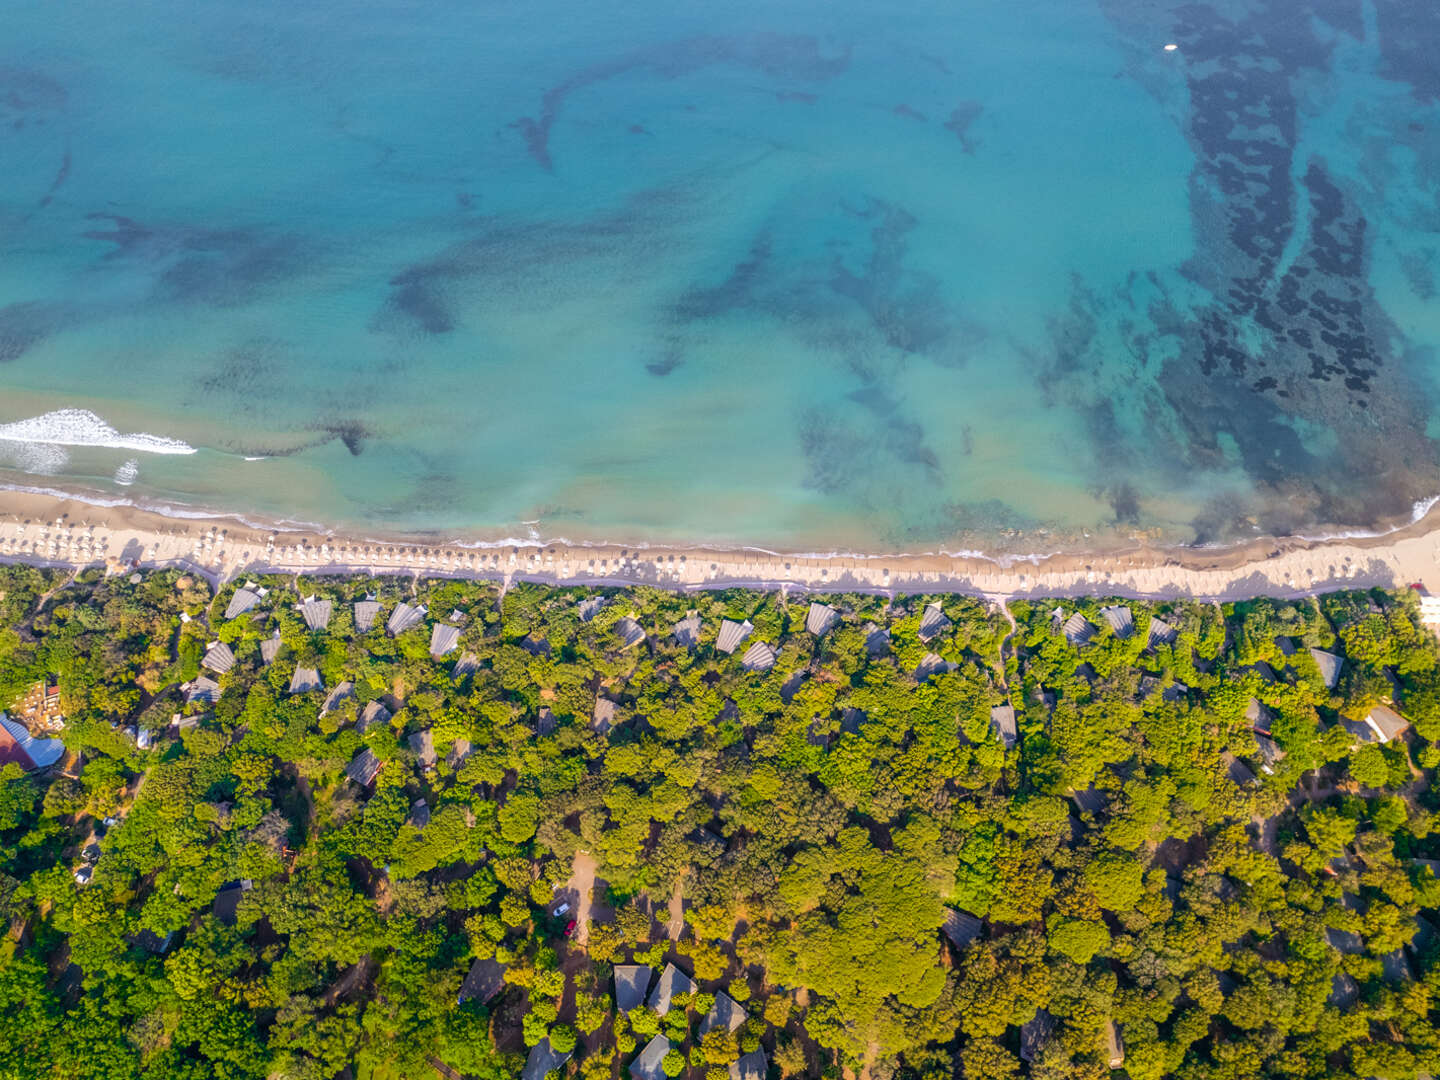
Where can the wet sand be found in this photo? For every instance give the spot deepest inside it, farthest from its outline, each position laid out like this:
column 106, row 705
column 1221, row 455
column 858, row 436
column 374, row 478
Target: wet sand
column 54, row 531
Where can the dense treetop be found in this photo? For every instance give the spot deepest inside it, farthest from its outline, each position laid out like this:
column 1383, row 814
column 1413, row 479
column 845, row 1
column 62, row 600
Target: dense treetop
column 1147, row 875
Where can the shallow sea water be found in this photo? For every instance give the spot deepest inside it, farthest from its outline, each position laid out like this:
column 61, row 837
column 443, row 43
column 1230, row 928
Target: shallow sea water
column 808, row 276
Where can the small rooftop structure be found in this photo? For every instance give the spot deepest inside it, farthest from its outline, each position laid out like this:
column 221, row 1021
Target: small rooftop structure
column 629, row 632
column 316, row 613
column 960, row 927
column 422, row 745
column 468, row 664
column 590, row 607
column 672, row 981
column 1386, row 723
column 687, row 631
column 335, row 697
column 1077, row 629
column 227, row 900
column 604, row 714
column 932, row 664
column 1160, row 633
column 443, row 638
column 483, row 981
column 1122, row 624
column 403, row 618
column 731, row 635
column 366, row 612
column 364, row 767
column 751, row 1066
column 820, row 618
column 218, row 658
column 1430, row 609
column 374, row 714
column 419, row 814
column 1002, row 722
column 270, row 648
column 647, row 1064
column 203, row 689
column 1330, row 666
column 27, row 751
column 305, row 680
column 933, row 622
column 39, row 708
column 759, row 657
column 631, row 983
column 543, row 1060
column 724, row 1013
column 241, row 601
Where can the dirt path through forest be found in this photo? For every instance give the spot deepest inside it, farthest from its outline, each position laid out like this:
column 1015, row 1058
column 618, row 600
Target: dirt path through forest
column 582, row 884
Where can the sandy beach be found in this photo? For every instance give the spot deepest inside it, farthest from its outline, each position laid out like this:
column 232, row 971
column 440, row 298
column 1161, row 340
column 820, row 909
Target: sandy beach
column 53, row 531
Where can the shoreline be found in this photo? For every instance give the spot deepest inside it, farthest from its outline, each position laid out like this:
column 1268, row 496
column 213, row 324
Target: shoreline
column 67, row 531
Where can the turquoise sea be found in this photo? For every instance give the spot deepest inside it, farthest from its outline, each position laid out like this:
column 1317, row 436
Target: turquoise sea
column 806, row 275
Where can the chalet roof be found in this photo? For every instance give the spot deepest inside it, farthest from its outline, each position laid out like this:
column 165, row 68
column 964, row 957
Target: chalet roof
column 316, row 613
column 1237, row 770
column 630, row 632
column 1089, row 801
column 422, row 745
column 960, row 927
column 1395, row 967
column 1285, row 645
column 672, row 981
column 1258, row 716
column 1077, row 629
column 270, row 648
column 543, row 1059
column 218, row 658
column 631, row 983
column 366, row 611
column 152, row 942
column 443, row 638
column 759, row 657
column 731, row 635
column 468, row 664
column 590, row 607
column 877, row 639
column 604, row 714
column 820, row 618
column 241, row 601
column 1120, row 620
column 403, row 618
column 933, row 622
column 419, row 814
column 305, row 680
column 364, row 767
column 1345, row 941
column 1268, row 751
column 932, row 664
column 374, row 713
column 203, row 689
column 724, row 1013
column 1386, row 722
column 687, row 630
column 1002, row 722
column 483, row 981
column 227, row 902
column 852, row 720
column 1344, row 991
column 751, row 1066
column 1160, row 633
column 1330, row 666
column 341, row 692
column 459, row 751
column 646, row 1065
column 1034, row 1033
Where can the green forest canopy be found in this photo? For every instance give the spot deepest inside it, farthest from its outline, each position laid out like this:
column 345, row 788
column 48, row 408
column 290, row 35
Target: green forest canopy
column 1140, row 874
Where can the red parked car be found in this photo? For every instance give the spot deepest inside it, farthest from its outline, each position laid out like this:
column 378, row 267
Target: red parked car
column 570, row 928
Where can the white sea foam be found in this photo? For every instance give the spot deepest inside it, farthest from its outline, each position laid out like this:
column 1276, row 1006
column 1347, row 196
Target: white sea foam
column 125, row 475
column 81, row 427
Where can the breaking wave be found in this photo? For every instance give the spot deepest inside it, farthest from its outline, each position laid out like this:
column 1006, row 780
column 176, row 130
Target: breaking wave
column 81, row 427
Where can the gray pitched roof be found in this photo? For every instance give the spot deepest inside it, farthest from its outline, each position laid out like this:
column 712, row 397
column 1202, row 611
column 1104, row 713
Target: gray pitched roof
column 1002, row 722
column 1077, row 629
column 1258, row 716
column 1120, row 620
column 1237, row 770
column 960, row 927
column 459, row 751
column 203, row 689
column 419, row 814
column 316, row 613
column 731, row 635
column 484, row 980
column 1386, row 722
column 366, row 612
column 604, row 714
column 443, row 638
column 759, row 657
column 751, row 1066
column 363, row 767
column 724, row 1013
column 1034, row 1033
column 305, row 680
column 631, row 983
column 373, row 714
column 687, row 630
column 820, row 618
column 1330, row 666
column 1160, row 633
column 422, row 745
column 543, row 1058
column 468, row 664
column 646, row 1065
column 933, row 622
column 877, row 639
column 218, row 658
column 932, row 664
column 590, row 607
column 270, row 649
column 630, row 632
column 403, row 618
column 241, row 602
column 672, row 981
column 336, row 696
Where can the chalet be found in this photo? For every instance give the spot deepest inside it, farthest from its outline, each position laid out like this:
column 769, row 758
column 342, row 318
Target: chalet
column 960, row 927
column 419, row 814
column 725, row 1013
column 484, row 980
column 933, row 623
column 1240, row 773
column 340, row 694
column 1330, row 666
column 227, row 900
column 1268, row 752
column 364, row 767
column 672, row 981
column 204, row 690
column 305, row 680
column 422, row 745
column 1160, row 633
column 316, row 613
column 270, row 648
column 820, row 618
column 373, row 715
column 630, row 632
column 647, row 1064
column 932, row 664
column 1002, row 723
column 877, row 639
column 1258, row 716
column 404, row 617
column 1122, row 624
column 1035, row 1033
column 1089, row 801
column 732, row 635
column 604, row 714
column 759, row 657
column 459, row 752
column 543, row 1060
column 1077, row 630
column 366, row 612
column 590, row 607
column 1386, row 723
column 243, row 599
column 468, row 664
column 687, row 631
column 751, row 1066
column 632, row 981
column 443, row 639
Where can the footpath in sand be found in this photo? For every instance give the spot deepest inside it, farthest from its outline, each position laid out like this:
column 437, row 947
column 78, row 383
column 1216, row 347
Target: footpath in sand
column 47, row 530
